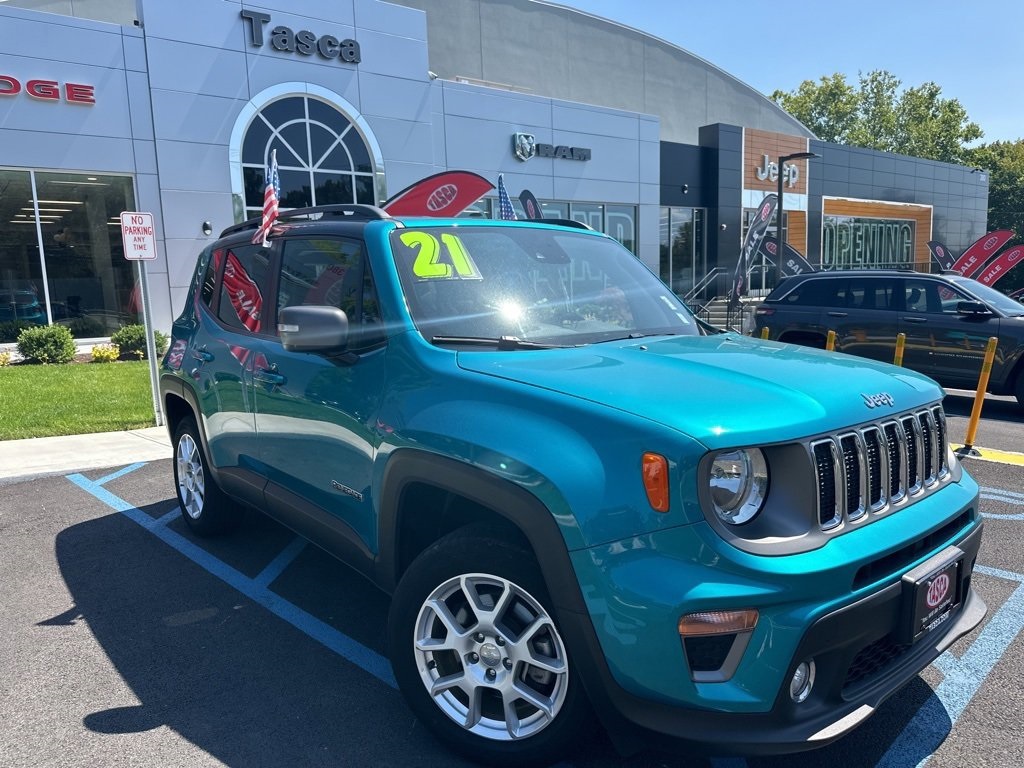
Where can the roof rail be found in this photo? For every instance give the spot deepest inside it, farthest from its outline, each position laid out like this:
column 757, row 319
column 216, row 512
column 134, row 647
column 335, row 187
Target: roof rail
column 355, row 212
column 566, row 223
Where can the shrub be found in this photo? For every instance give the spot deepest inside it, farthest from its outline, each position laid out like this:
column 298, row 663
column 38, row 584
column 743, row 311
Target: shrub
column 86, row 327
column 10, row 330
column 5, row 358
column 132, row 341
column 105, row 353
column 47, row 344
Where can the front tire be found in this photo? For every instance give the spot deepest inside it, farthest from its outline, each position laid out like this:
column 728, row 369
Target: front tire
column 478, row 655
column 206, row 508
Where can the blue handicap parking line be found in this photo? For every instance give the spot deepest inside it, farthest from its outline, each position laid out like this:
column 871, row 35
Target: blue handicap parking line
column 256, row 589
column 1012, row 498
column 962, row 677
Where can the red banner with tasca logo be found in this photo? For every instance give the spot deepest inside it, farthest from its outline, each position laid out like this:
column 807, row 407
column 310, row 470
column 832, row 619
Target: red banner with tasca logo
column 980, row 251
column 443, row 194
column 1003, row 264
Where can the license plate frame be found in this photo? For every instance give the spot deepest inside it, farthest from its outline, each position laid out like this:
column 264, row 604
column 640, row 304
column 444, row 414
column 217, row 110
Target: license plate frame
column 932, row 593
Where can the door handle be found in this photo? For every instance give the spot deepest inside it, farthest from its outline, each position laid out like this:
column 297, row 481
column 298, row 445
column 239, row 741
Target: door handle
column 838, row 314
column 910, row 319
column 202, row 354
column 269, row 376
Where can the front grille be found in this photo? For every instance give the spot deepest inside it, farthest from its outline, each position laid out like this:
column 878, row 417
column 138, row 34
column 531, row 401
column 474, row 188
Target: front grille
column 879, row 465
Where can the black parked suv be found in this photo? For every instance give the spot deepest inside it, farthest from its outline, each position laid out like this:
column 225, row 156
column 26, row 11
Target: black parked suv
column 947, row 320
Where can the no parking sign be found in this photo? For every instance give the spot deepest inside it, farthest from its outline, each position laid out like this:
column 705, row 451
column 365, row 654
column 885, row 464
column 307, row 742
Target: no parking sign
column 138, row 236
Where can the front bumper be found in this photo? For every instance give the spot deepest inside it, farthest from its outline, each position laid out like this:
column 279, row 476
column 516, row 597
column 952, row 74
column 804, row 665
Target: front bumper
column 862, row 656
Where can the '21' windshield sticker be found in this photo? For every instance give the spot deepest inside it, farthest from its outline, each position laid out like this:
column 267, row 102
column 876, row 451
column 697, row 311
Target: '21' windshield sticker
column 444, row 259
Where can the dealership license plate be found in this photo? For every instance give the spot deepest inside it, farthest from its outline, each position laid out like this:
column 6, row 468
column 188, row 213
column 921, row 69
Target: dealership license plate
column 935, row 597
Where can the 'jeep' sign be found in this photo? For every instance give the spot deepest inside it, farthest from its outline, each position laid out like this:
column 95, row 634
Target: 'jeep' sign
column 303, row 42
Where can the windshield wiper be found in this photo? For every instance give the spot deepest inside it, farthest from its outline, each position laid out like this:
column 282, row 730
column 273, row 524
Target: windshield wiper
column 502, row 343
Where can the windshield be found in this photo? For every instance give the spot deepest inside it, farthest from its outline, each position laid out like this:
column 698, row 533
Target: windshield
column 991, row 296
column 537, row 285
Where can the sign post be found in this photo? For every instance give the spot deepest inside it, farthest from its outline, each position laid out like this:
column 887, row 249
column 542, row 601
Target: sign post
column 139, row 237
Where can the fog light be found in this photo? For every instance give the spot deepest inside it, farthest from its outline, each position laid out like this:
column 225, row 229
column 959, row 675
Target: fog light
column 802, row 682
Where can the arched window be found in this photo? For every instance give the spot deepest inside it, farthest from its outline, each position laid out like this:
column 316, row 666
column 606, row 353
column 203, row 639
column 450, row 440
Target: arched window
column 323, row 155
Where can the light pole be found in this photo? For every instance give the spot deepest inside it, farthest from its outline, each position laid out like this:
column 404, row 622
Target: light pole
column 783, row 159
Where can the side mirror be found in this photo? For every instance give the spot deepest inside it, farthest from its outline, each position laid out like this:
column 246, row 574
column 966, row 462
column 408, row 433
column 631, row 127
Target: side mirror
column 313, row 329
column 972, row 308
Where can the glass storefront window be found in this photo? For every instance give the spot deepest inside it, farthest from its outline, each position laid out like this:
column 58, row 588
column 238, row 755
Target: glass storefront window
column 681, row 233
column 80, row 277
column 620, row 223
column 857, row 243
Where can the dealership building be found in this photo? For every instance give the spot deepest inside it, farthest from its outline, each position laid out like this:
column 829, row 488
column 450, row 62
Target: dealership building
column 173, row 109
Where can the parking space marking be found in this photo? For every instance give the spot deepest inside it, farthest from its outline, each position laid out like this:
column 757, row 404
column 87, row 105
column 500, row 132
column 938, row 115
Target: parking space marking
column 120, row 473
column 266, row 577
column 961, row 680
column 991, row 454
column 343, row 645
column 962, row 677
column 1006, row 497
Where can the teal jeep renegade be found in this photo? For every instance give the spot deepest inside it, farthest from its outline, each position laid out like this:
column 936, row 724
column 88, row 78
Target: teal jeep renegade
column 580, row 500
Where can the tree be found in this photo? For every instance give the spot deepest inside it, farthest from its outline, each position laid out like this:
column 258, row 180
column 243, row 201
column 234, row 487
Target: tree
column 1004, row 160
column 878, row 115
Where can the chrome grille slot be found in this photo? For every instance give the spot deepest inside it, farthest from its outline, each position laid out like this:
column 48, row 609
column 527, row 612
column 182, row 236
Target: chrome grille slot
column 930, row 471
column 879, row 465
column 853, row 469
column 896, row 450
column 915, row 454
column 940, row 441
column 827, row 472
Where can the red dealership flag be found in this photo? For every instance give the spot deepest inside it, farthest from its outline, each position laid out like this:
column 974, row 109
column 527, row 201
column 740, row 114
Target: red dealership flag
column 271, row 195
column 443, row 194
column 1006, row 261
column 980, row 251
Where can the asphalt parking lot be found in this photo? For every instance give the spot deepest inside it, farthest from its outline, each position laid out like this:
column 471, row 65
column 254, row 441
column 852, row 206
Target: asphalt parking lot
column 125, row 641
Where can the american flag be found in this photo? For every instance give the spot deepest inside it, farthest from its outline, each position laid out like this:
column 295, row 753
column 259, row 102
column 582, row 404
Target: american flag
column 271, row 194
column 505, row 210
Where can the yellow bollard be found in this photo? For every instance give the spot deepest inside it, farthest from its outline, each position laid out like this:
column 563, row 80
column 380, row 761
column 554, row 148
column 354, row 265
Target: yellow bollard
column 830, row 345
column 764, row 332
column 979, row 398
column 901, row 340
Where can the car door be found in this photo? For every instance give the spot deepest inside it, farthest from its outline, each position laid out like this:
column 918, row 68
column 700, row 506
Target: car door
column 316, row 414
column 219, row 355
column 865, row 318
column 940, row 342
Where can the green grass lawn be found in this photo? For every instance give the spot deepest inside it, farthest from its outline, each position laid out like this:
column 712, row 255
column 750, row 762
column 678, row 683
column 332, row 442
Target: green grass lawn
column 73, row 399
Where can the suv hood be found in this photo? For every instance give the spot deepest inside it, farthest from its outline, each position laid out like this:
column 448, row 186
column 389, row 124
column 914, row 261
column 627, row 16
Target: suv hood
column 724, row 390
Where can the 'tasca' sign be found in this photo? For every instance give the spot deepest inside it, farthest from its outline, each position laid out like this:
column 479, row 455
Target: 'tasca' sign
column 48, row 90
column 303, row 42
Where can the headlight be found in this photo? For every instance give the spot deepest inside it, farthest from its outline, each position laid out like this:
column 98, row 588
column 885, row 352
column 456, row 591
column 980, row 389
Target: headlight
column 739, row 484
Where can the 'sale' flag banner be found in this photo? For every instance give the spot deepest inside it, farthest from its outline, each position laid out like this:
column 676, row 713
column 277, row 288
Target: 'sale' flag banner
column 792, row 262
column 941, row 255
column 980, row 251
column 1003, row 263
column 444, row 194
column 530, row 205
column 750, row 245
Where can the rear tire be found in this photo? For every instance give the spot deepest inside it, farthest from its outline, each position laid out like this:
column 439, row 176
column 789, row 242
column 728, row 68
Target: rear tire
column 207, row 510
column 478, row 655
column 1018, row 389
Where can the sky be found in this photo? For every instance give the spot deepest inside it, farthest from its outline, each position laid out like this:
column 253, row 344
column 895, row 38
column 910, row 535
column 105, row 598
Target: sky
column 974, row 51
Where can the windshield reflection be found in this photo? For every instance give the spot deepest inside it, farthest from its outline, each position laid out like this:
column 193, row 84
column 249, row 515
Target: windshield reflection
column 542, row 285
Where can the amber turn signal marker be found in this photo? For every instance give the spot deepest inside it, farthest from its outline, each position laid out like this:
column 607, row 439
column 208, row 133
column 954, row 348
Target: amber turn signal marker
column 655, row 468
column 717, row 622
